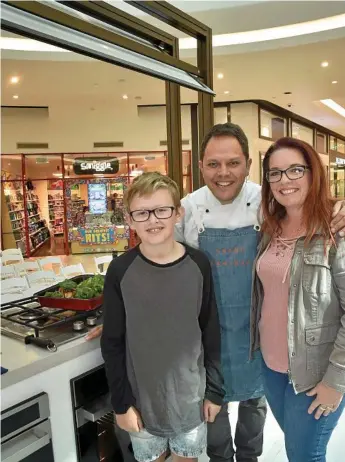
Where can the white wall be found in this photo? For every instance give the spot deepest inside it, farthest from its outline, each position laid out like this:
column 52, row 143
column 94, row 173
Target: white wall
column 246, row 116
column 76, row 128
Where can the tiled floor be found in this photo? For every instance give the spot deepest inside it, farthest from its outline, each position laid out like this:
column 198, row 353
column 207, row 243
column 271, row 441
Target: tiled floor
column 274, row 450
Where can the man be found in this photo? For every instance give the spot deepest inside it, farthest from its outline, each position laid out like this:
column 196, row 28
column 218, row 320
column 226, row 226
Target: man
column 221, row 218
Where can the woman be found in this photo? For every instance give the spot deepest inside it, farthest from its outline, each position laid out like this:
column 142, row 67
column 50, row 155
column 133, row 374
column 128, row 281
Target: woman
column 298, row 309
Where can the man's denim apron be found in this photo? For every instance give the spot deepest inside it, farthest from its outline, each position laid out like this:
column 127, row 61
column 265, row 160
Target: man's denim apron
column 232, row 254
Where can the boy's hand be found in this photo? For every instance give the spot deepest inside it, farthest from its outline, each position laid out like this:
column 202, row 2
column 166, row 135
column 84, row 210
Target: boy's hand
column 131, row 421
column 94, row 333
column 210, row 411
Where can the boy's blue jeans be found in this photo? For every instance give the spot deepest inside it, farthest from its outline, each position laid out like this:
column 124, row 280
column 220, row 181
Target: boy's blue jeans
column 306, row 438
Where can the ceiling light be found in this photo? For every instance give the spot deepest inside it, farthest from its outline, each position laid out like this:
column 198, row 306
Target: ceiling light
column 124, row 96
column 220, row 76
column 334, row 106
column 334, row 82
column 14, row 79
column 324, row 64
column 273, row 33
column 15, row 96
column 226, row 92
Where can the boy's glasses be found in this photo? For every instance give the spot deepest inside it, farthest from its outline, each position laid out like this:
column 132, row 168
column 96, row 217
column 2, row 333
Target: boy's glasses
column 162, row 213
column 293, row 173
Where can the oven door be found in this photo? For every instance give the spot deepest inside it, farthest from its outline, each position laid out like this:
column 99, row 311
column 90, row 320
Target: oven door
column 96, row 438
column 33, row 445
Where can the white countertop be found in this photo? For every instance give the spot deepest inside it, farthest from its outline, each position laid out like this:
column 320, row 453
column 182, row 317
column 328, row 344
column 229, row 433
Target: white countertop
column 25, row 361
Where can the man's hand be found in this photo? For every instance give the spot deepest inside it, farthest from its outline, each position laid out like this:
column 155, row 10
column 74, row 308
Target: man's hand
column 338, row 222
column 131, row 421
column 94, row 333
column 327, row 400
column 211, row 411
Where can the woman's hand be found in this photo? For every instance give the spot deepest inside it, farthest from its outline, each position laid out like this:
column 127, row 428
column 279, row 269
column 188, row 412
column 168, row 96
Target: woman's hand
column 94, row 333
column 338, row 222
column 131, row 421
column 327, row 400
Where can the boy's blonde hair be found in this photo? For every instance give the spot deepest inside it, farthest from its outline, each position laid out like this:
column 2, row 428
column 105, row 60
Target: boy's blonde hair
column 147, row 184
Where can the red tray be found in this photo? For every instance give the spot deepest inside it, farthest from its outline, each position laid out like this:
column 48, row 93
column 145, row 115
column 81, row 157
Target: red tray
column 73, row 304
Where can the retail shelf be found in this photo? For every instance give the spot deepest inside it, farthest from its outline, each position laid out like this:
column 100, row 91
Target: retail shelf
column 17, row 219
column 18, row 210
column 32, row 234
column 40, row 245
column 36, row 215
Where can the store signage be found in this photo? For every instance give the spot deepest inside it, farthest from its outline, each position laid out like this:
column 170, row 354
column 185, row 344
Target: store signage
column 90, row 166
column 339, row 161
column 97, row 236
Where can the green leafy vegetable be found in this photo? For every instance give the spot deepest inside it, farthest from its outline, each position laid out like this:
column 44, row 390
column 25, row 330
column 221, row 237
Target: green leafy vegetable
column 55, row 294
column 84, row 293
column 68, row 285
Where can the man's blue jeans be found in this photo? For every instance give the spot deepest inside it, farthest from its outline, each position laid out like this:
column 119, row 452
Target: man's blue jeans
column 306, row 438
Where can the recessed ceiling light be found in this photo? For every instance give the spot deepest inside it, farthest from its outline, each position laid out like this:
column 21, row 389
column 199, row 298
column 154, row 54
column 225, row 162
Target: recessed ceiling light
column 15, row 96
column 220, row 76
column 124, row 96
column 14, row 79
column 324, row 64
column 226, row 92
column 334, row 82
column 334, row 106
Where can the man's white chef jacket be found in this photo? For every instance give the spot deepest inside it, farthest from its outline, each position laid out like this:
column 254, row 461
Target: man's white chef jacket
column 203, row 209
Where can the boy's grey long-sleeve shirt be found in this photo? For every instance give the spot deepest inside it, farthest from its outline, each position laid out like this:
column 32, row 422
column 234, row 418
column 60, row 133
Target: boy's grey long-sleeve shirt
column 161, row 340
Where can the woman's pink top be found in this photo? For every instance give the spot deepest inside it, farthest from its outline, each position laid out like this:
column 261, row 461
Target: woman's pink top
column 273, row 269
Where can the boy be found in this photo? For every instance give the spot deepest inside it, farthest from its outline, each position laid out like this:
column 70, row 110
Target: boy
column 161, row 335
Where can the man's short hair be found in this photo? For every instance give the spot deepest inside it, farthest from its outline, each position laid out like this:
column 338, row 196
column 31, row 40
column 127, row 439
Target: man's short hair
column 148, row 183
column 227, row 129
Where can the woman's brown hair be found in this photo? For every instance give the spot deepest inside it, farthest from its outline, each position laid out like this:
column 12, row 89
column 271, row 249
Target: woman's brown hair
column 317, row 209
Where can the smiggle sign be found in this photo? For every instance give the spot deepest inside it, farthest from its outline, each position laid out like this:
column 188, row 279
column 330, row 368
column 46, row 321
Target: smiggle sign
column 90, row 166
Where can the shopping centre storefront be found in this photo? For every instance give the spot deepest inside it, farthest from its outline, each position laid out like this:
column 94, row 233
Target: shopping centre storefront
column 72, row 203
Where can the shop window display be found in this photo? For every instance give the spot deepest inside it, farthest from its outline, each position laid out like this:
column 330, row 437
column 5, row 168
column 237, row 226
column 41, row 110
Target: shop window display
column 55, row 204
column 303, row 133
column 272, row 127
column 95, row 215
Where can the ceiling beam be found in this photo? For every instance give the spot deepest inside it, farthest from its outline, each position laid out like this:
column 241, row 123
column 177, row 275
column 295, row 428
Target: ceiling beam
column 79, row 24
column 116, row 17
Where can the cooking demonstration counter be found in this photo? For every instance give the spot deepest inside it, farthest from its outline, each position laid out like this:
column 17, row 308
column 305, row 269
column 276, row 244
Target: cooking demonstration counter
column 33, row 370
column 25, row 361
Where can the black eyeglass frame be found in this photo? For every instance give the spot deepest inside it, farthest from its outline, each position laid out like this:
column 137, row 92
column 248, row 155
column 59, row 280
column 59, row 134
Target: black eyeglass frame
column 304, row 167
column 154, row 213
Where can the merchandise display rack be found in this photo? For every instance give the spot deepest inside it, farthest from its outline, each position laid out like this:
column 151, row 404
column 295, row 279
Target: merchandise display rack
column 13, row 223
column 56, row 211
column 37, row 227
